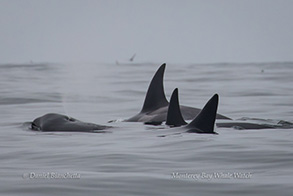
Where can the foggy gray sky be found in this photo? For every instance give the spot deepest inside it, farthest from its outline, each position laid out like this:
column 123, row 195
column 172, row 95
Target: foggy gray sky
column 195, row 31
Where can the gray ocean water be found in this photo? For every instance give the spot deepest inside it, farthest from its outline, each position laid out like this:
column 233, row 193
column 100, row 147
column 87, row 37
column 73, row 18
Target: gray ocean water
column 133, row 159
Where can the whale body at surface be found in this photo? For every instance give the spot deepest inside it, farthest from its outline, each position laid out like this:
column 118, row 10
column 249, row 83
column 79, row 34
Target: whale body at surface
column 53, row 122
column 155, row 107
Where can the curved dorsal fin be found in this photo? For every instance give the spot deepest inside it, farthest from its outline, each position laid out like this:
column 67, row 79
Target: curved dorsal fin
column 174, row 116
column 204, row 122
column 155, row 97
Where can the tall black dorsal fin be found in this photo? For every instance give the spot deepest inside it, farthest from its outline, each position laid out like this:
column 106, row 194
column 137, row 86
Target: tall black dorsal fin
column 174, row 116
column 204, row 122
column 155, row 97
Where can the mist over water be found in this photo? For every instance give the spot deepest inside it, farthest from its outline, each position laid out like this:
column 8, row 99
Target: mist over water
column 134, row 159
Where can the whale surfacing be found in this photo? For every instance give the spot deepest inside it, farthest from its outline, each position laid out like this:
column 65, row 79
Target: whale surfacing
column 203, row 123
column 60, row 123
column 155, row 107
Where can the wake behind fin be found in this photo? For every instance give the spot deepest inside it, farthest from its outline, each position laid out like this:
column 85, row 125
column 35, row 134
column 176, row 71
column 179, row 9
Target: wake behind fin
column 155, row 97
column 204, row 122
column 174, row 116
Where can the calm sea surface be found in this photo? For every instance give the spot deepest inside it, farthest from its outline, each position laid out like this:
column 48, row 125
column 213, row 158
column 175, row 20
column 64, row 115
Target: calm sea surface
column 134, row 159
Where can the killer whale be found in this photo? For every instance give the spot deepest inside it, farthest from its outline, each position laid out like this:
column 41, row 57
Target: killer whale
column 246, row 125
column 53, row 122
column 203, row 123
column 155, row 107
column 206, row 119
column 241, row 125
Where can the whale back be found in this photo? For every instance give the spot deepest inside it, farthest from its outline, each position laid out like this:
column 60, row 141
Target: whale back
column 60, row 123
